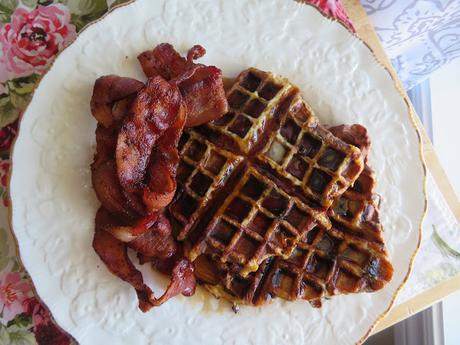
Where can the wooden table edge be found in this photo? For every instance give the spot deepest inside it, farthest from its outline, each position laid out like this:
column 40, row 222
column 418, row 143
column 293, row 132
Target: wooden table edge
column 366, row 32
column 420, row 302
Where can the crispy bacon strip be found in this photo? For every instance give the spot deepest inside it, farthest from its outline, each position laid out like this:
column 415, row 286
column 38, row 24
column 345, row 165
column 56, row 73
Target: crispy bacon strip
column 151, row 237
column 183, row 282
column 158, row 242
column 106, row 140
column 201, row 86
column 129, row 232
column 195, row 53
column 105, row 179
column 106, row 92
column 108, row 189
column 355, row 135
column 163, row 167
column 134, row 200
column 153, row 111
column 204, row 94
column 134, row 171
column 164, row 60
column 115, row 256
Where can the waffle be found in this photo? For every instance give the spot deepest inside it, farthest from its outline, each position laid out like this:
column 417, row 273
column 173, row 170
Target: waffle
column 252, row 183
column 348, row 257
column 269, row 122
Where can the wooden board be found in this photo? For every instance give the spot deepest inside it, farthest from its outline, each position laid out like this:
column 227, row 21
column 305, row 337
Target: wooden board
column 366, row 32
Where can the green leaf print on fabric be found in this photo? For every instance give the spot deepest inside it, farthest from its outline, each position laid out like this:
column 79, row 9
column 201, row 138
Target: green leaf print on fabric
column 113, row 3
column 16, row 98
column 443, row 246
column 29, row 3
column 4, row 249
column 16, row 334
column 86, row 11
column 7, row 8
column 22, row 321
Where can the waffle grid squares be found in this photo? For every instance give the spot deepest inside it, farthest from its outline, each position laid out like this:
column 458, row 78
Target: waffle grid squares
column 206, row 168
column 310, row 273
column 309, row 158
column 269, row 233
column 276, row 230
column 325, row 262
column 278, row 116
column 257, row 93
column 357, row 211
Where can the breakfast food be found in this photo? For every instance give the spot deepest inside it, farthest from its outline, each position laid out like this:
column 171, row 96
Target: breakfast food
column 244, row 191
column 134, row 169
column 201, row 86
column 348, row 257
column 254, row 198
column 287, row 170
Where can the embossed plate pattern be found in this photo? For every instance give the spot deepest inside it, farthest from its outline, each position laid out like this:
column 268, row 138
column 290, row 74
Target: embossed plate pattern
column 53, row 205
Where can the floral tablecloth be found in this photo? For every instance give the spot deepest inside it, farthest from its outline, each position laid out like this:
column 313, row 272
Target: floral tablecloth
column 32, row 32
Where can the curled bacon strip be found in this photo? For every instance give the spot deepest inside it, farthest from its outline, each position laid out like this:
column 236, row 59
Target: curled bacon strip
column 195, row 53
column 109, row 109
column 183, row 282
column 204, row 94
column 163, row 167
column 135, row 166
column 153, row 111
column 157, row 242
column 115, row 256
column 129, row 232
column 106, row 140
column 164, row 60
column 106, row 92
column 105, row 180
column 108, row 189
column 201, row 86
column 355, row 135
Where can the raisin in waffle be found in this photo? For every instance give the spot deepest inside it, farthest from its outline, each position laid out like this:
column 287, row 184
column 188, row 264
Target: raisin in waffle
column 252, row 183
column 348, row 257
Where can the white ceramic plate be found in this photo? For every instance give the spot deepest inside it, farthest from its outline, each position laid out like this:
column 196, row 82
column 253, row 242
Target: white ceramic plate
column 54, row 205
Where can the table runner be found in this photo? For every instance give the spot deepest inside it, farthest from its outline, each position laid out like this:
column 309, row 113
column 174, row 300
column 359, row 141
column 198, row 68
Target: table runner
column 31, row 33
column 419, row 36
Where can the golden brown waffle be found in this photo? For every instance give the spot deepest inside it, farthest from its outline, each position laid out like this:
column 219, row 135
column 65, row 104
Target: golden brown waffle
column 349, row 257
column 357, row 209
column 256, row 220
column 203, row 169
column 269, row 121
column 253, row 182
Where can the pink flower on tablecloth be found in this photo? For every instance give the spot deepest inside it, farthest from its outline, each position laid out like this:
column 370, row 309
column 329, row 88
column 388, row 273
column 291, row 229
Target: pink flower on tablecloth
column 4, row 170
column 32, row 39
column 335, row 9
column 13, row 292
column 46, row 332
column 7, row 135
